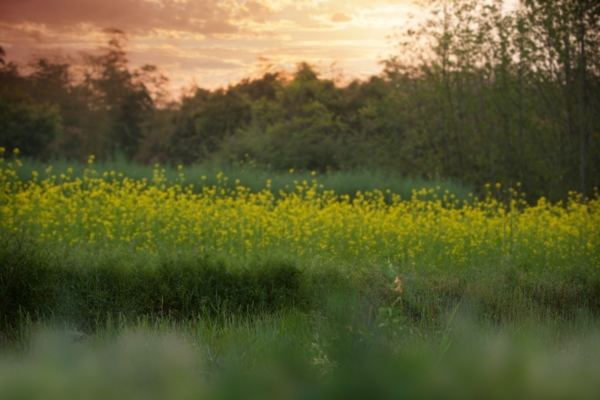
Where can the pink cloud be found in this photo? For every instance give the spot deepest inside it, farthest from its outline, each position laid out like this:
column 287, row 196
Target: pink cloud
column 214, row 42
column 133, row 16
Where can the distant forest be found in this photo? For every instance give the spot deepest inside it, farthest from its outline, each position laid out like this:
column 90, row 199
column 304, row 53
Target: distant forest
column 475, row 93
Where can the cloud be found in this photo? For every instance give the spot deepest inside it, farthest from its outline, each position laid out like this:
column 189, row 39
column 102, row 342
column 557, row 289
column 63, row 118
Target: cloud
column 214, row 42
column 340, row 17
column 133, row 16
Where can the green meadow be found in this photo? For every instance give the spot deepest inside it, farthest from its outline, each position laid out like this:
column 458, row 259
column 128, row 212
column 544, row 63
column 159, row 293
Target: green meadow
column 103, row 321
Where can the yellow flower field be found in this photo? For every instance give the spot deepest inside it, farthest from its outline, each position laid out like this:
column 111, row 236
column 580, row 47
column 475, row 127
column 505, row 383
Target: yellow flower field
column 112, row 210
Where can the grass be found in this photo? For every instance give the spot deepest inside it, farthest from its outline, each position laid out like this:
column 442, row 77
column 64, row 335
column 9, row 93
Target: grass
column 252, row 177
column 318, row 355
column 83, row 287
column 497, row 300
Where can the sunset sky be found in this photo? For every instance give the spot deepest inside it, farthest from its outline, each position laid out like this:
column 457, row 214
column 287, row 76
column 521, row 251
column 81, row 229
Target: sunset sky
column 211, row 42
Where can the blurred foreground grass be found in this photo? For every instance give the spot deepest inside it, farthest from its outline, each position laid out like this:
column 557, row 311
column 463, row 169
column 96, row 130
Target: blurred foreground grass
column 303, row 356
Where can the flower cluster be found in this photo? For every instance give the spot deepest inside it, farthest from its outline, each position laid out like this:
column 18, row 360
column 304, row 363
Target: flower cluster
column 113, row 210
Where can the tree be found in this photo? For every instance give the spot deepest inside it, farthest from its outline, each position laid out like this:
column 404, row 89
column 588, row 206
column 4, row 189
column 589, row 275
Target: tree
column 566, row 44
column 205, row 120
column 118, row 96
column 300, row 128
column 10, row 79
column 492, row 95
column 25, row 125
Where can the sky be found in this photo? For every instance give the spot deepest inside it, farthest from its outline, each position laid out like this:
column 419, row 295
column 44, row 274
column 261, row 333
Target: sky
column 211, row 43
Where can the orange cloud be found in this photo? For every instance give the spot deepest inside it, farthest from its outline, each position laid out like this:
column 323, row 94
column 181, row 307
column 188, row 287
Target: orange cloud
column 213, row 41
column 340, row 17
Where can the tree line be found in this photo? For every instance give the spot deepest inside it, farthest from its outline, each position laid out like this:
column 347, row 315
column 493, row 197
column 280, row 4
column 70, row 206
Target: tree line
column 475, row 92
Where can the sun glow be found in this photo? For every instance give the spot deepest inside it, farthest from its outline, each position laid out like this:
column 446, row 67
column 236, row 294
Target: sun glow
column 181, row 36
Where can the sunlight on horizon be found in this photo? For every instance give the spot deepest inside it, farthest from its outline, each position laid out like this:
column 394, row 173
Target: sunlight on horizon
column 212, row 43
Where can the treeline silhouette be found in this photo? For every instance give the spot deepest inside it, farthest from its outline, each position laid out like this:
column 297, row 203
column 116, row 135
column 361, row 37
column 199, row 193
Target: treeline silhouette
column 475, row 93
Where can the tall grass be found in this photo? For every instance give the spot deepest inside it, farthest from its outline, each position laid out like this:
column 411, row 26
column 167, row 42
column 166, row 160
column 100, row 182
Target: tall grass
column 293, row 355
column 252, row 177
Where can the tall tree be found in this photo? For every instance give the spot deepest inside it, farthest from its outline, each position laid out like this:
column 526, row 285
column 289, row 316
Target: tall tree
column 504, row 96
column 119, row 97
column 566, row 42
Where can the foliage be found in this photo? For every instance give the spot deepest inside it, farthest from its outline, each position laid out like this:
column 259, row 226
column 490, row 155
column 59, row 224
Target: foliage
column 279, row 357
column 189, row 282
column 477, row 92
column 104, row 109
column 306, row 222
column 248, row 173
column 79, row 290
column 504, row 96
column 27, row 126
column 297, row 305
column 107, row 245
column 298, row 129
column 204, row 121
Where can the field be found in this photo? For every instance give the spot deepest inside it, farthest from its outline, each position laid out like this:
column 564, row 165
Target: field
column 198, row 282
